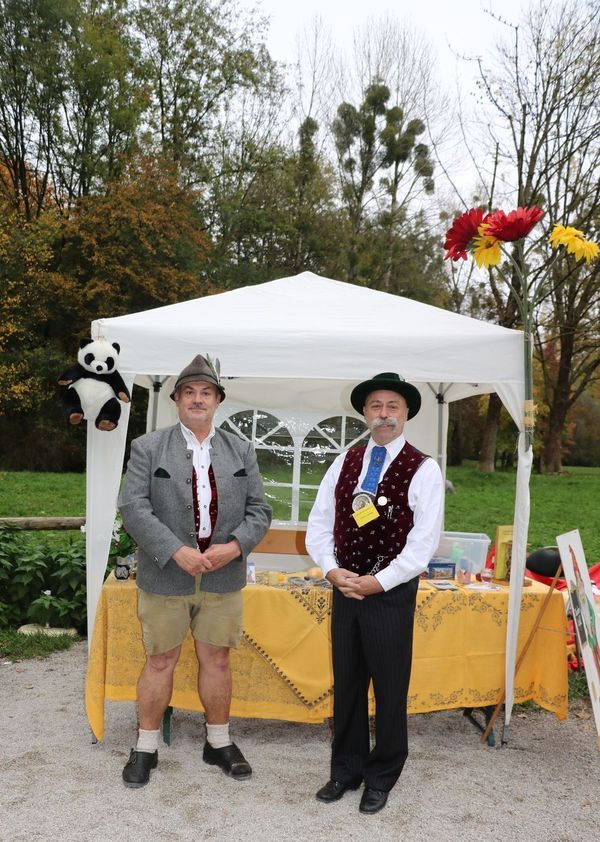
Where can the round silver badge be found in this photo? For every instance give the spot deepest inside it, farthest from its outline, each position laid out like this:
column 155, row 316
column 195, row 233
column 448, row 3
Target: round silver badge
column 381, row 501
column 361, row 500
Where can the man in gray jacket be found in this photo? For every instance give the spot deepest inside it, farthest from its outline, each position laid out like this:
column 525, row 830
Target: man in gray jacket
column 193, row 500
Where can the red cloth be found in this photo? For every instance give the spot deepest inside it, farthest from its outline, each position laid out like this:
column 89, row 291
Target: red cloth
column 204, row 543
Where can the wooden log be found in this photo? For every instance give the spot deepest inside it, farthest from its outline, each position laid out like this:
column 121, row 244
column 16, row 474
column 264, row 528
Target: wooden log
column 36, row 523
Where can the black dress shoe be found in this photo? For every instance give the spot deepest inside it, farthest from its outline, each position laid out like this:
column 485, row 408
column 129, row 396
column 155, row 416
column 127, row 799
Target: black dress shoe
column 333, row 790
column 373, row 800
column 137, row 769
column 230, row 759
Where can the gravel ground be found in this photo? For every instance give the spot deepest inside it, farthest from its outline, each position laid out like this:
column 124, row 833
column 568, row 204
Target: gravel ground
column 56, row 785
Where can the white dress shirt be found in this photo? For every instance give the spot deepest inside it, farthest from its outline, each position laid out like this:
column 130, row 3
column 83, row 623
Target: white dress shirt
column 425, row 499
column 201, row 459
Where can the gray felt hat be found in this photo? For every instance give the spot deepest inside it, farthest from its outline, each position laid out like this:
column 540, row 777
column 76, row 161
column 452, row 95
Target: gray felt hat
column 200, row 368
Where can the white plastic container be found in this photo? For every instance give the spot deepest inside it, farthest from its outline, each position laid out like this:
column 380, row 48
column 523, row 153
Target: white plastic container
column 468, row 550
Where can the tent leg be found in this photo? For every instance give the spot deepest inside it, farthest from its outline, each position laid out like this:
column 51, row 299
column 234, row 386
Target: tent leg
column 166, row 725
column 487, row 713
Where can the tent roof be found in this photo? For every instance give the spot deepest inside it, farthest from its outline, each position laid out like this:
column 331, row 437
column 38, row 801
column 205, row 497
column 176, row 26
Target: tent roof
column 338, row 331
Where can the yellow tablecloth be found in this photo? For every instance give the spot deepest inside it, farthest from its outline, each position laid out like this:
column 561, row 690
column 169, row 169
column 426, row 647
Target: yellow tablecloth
column 282, row 669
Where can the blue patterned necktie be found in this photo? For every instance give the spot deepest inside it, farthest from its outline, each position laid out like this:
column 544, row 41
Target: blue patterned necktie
column 371, row 480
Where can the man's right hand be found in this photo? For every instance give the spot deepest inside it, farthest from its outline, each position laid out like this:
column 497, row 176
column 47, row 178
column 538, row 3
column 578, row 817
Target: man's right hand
column 191, row 560
column 343, row 580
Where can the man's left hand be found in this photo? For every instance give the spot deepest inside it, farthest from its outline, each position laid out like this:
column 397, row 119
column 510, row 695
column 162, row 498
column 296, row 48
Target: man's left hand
column 368, row 585
column 222, row 554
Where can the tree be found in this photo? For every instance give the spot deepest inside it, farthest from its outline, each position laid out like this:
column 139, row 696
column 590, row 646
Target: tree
column 273, row 211
column 198, row 54
column 102, row 101
column 545, row 125
column 370, row 140
column 70, row 99
column 33, row 43
column 140, row 245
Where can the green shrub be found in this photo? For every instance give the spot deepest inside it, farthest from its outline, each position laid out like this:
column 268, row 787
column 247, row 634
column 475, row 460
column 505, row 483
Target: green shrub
column 41, row 582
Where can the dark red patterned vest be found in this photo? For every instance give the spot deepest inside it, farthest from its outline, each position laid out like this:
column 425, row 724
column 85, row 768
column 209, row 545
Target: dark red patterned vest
column 362, row 548
column 204, row 543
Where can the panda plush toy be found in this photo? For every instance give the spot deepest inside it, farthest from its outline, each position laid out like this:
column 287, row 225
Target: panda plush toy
column 94, row 384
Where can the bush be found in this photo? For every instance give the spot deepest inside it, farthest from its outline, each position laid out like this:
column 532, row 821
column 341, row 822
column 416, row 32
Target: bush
column 41, row 583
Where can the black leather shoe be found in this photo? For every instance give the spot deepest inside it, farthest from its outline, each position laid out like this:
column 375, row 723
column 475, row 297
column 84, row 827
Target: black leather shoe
column 373, row 800
column 333, row 790
column 137, row 769
column 230, row 759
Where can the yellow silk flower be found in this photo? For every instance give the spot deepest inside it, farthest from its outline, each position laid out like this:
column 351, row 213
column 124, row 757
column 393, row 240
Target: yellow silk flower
column 487, row 251
column 575, row 242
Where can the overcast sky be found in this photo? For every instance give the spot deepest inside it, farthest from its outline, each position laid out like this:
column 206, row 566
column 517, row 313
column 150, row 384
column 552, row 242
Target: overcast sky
column 451, row 26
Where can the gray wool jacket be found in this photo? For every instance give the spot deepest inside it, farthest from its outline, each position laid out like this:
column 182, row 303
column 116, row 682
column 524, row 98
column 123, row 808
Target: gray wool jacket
column 157, row 509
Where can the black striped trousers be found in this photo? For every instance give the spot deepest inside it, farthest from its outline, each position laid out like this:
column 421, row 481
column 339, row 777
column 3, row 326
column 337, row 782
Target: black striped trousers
column 371, row 640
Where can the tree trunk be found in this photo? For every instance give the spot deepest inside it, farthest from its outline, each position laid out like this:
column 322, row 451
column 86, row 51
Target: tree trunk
column 487, row 453
column 553, row 441
column 454, row 454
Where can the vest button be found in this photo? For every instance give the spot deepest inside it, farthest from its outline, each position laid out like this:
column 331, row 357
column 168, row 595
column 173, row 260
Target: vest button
column 188, row 455
column 188, row 506
column 188, row 480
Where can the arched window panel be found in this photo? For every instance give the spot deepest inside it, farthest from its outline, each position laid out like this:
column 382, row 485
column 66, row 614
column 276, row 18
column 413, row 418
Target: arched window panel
column 292, row 471
column 279, row 499
column 276, row 466
column 307, row 499
column 260, row 428
column 324, row 442
column 314, row 462
column 274, row 449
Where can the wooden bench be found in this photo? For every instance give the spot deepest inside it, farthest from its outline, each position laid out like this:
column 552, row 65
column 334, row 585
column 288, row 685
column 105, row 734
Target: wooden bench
column 282, row 549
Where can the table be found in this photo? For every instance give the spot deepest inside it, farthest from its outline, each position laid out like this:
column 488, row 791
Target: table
column 282, row 669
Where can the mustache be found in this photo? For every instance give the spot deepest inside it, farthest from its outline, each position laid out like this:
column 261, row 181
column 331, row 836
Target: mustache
column 384, row 422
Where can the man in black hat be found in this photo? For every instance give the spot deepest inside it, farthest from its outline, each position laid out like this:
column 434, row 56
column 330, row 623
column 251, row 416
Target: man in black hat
column 193, row 500
column 373, row 529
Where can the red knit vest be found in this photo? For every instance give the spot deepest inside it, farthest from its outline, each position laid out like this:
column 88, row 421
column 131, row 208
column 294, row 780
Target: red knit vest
column 204, row 543
column 370, row 548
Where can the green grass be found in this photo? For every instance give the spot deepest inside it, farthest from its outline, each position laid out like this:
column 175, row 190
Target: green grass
column 578, row 686
column 17, row 647
column 30, row 494
column 482, row 502
column 558, row 504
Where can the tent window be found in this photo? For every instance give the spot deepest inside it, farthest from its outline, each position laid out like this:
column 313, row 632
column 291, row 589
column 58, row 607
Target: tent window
column 320, row 447
column 293, row 468
column 275, row 454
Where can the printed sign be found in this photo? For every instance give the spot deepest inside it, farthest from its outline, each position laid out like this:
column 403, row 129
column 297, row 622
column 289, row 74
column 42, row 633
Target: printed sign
column 585, row 613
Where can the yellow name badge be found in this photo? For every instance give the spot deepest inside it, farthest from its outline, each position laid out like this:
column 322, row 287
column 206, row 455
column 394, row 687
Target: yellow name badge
column 366, row 514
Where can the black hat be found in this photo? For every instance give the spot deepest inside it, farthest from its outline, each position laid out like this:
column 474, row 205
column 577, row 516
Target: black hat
column 200, row 368
column 392, row 382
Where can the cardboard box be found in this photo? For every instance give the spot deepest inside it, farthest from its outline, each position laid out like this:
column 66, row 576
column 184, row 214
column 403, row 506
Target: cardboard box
column 440, row 569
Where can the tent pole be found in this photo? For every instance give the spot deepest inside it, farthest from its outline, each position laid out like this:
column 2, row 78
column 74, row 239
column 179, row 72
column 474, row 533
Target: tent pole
column 440, row 393
column 521, row 658
column 156, row 387
column 440, row 438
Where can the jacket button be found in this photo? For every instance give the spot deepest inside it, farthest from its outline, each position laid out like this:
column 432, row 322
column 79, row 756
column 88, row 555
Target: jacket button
column 192, row 534
column 188, row 506
column 155, row 558
column 188, row 455
column 188, row 480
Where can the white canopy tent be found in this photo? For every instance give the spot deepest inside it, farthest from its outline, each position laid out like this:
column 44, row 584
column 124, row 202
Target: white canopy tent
column 294, row 348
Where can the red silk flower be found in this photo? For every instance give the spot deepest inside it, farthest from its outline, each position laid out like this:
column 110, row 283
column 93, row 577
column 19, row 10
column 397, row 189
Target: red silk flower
column 462, row 231
column 514, row 225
